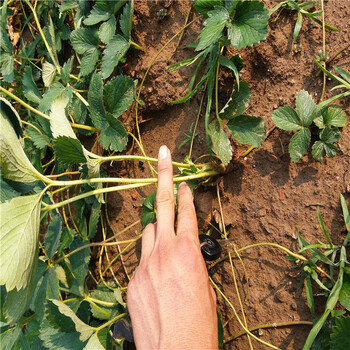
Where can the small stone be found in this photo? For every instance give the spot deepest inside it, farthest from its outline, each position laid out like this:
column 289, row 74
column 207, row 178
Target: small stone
column 293, row 306
column 260, row 332
column 272, row 285
column 248, row 251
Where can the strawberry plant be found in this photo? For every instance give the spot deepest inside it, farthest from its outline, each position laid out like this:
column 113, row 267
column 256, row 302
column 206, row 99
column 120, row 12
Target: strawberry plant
column 302, row 8
column 67, row 82
column 322, row 121
column 228, row 23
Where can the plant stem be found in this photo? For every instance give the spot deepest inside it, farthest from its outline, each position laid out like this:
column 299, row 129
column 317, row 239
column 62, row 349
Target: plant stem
column 324, row 51
column 146, row 159
column 239, row 320
column 297, row 256
column 94, row 244
column 113, row 320
column 136, row 46
column 32, row 109
column 43, row 36
column 132, row 181
column 268, row 325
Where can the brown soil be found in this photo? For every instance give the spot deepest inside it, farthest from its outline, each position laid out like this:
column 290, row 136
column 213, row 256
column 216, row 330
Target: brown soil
column 266, row 197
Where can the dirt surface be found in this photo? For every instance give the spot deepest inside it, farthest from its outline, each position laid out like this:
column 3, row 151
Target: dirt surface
column 265, row 197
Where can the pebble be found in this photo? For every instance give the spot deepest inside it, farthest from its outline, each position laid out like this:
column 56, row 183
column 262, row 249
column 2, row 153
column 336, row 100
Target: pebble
column 273, row 285
column 293, row 306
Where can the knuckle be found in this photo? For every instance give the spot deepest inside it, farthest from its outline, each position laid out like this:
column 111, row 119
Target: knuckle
column 165, row 197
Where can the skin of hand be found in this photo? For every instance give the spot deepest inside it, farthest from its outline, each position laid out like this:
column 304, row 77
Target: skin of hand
column 170, row 300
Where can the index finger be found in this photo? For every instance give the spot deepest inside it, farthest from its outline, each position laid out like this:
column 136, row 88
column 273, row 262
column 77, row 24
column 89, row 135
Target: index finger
column 165, row 196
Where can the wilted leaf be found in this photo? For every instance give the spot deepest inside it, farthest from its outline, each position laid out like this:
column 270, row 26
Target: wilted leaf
column 220, row 142
column 94, row 343
column 238, row 102
column 48, row 73
column 14, row 163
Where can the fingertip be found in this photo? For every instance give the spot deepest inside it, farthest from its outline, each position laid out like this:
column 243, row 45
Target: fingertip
column 163, row 153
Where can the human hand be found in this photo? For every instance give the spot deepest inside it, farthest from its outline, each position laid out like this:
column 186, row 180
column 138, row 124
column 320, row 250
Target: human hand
column 170, row 300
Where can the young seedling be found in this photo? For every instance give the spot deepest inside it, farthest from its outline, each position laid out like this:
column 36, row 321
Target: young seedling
column 322, row 120
column 302, row 8
column 239, row 24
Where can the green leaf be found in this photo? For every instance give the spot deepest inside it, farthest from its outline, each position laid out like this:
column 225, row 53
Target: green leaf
column 213, row 27
column 340, row 336
column 65, row 70
column 79, row 266
column 67, row 5
column 309, row 294
column 126, row 20
column 13, row 161
column 89, row 61
column 119, row 93
column 238, row 102
column 84, row 39
column 334, row 116
column 286, row 118
column 204, row 6
column 299, row 144
column 346, row 218
column 98, row 13
column 323, row 227
column 344, row 295
column 306, row 107
column 46, row 287
column 7, row 66
column 6, row 191
column 248, row 129
column 30, row 90
column 114, row 136
column 57, row 330
column 9, row 337
column 94, row 343
column 315, row 330
column 48, row 73
column 148, row 213
column 104, row 310
column 107, row 30
column 297, row 27
column 19, row 234
column 344, row 74
column 220, row 142
column 95, row 97
column 69, row 151
column 12, row 308
column 231, row 65
column 94, row 217
column 37, row 139
column 50, row 95
column 115, row 50
column 325, row 146
column 53, row 235
column 220, row 331
column 249, row 25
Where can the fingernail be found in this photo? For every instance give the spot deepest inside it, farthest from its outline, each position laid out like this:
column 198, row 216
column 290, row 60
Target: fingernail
column 163, row 152
column 182, row 184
